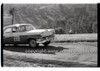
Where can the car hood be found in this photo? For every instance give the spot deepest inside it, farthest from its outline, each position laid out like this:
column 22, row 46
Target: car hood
column 43, row 32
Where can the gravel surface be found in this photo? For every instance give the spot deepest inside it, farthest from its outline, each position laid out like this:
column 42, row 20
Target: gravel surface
column 80, row 54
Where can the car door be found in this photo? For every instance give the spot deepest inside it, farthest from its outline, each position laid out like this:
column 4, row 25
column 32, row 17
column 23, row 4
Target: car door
column 15, row 34
column 18, row 36
column 7, row 35
column 21, row 34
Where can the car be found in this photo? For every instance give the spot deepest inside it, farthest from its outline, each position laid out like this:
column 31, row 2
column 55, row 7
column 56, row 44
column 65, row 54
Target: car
column 27, row 34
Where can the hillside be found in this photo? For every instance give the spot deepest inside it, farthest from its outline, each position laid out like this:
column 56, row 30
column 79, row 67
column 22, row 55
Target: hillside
column 77, row 18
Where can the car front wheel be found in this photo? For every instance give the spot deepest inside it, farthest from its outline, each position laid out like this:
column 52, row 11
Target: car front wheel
column 32, row 43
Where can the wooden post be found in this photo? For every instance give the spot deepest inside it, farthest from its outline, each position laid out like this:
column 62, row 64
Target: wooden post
column 13, row 16
column 12, row 13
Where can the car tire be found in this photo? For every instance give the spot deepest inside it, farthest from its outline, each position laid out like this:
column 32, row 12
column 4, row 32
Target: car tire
column 32, row 43
column 46, row 43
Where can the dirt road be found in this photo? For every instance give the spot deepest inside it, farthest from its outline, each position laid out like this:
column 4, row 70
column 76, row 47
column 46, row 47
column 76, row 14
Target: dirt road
column 80, row 54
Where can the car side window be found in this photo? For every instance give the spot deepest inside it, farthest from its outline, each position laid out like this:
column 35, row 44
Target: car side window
column 8, row 30
column 14, row 29
column 28, row 27
column 22, row 28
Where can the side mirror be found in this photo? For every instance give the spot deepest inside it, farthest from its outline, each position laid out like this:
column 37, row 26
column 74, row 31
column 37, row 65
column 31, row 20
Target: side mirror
column 13, row 31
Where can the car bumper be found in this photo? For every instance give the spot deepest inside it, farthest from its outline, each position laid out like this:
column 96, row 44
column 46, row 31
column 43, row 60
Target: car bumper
column 45, row 39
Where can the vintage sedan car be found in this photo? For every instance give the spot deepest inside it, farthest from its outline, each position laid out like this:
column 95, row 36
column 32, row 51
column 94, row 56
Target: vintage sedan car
column 27, row 33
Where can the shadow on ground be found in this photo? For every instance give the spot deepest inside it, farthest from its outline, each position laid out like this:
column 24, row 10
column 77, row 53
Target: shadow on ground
column 40, row 49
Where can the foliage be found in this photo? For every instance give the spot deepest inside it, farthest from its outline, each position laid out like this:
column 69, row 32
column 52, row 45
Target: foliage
column 64, row 18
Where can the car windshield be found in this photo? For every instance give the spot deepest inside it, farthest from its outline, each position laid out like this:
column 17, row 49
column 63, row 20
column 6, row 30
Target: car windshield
column 24, row 28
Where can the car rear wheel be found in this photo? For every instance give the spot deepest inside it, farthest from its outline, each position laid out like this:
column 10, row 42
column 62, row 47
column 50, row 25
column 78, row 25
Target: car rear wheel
column 32, row 43
column 46, row 43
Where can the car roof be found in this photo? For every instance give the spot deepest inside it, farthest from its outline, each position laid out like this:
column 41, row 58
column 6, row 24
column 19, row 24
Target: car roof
column 15, row 25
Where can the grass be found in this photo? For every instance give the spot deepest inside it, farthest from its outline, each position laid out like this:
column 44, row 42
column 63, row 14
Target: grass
column 76, row 38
